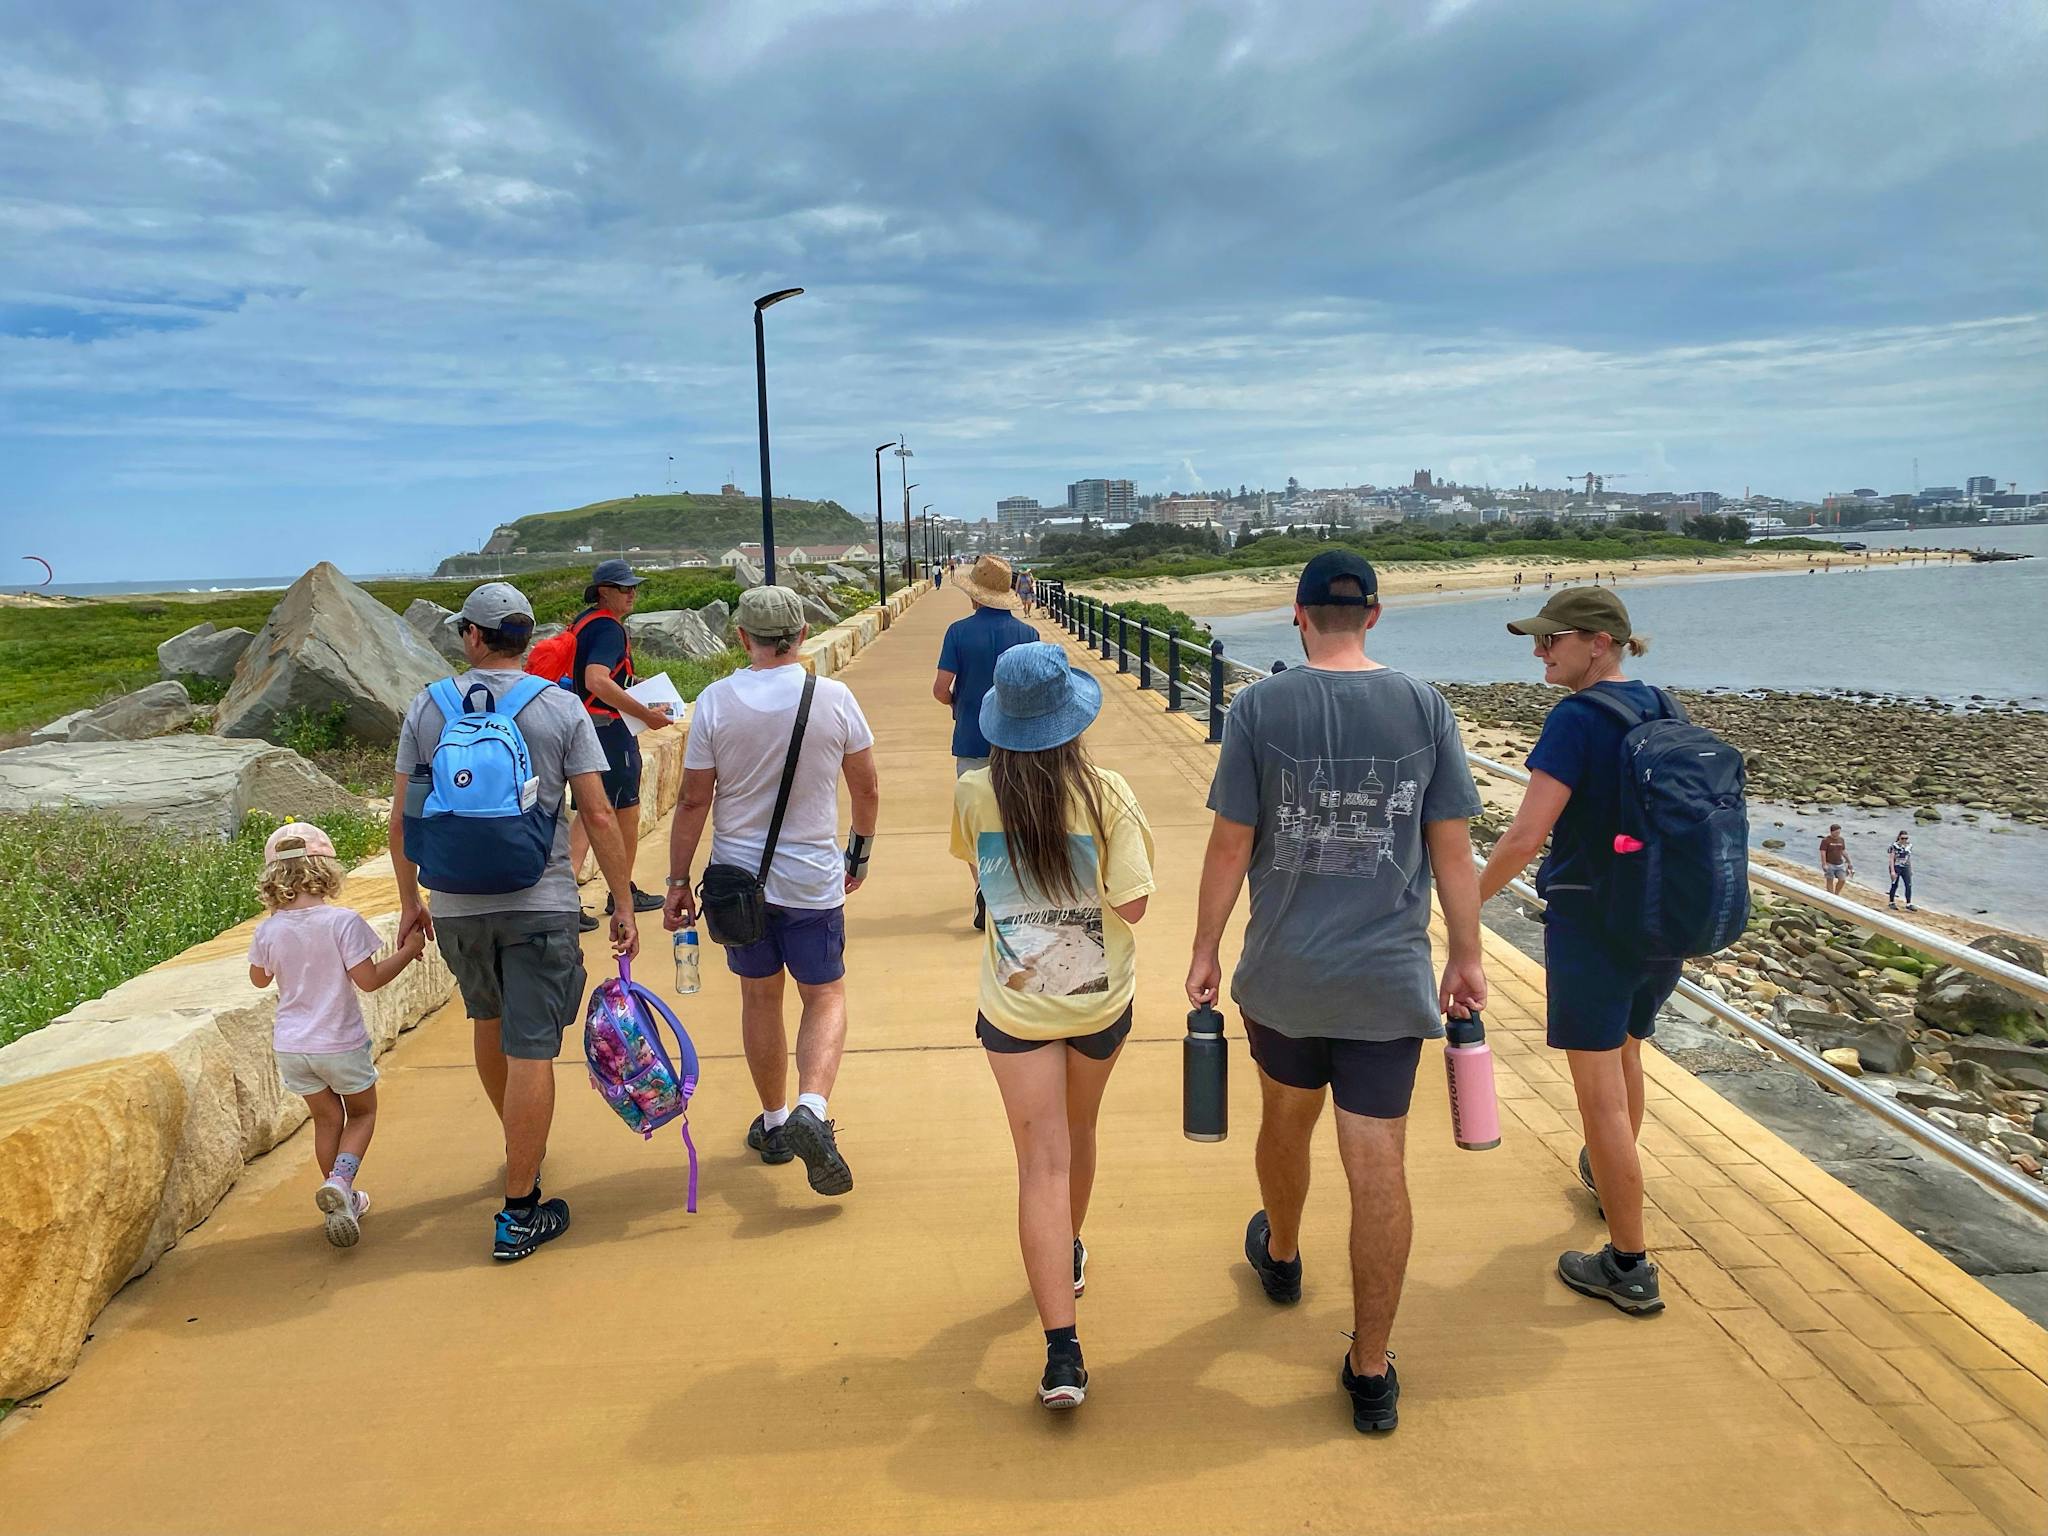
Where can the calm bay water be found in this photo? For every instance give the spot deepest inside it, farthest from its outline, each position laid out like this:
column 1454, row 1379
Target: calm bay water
column 1946, row 631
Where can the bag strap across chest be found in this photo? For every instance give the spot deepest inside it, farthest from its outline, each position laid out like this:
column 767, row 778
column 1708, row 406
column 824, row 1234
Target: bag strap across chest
column 796, row 747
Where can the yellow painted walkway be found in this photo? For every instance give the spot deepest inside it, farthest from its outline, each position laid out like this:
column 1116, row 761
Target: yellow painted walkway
column 780, row 1362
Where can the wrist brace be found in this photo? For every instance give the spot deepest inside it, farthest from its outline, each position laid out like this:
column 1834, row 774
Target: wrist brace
column 858, row 849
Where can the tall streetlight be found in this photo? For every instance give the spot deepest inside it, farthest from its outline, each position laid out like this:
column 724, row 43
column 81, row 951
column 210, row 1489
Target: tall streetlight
column 881, row 560
column 903, row 457
column 926, row 514
column 761, row 306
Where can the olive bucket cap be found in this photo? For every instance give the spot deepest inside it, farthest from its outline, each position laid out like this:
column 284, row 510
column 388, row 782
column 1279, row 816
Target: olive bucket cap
column 1587, row 610
column 770, row 613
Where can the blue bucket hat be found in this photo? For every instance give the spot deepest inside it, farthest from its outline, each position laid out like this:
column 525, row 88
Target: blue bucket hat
column 1039, row 701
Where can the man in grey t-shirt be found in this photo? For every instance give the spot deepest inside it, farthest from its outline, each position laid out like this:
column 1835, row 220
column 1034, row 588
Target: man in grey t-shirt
column 515, row 954
column 1341, row 788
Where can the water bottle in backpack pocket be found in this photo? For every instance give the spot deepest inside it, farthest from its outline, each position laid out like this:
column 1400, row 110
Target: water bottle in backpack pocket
column 1678, row 885
column 480, row 829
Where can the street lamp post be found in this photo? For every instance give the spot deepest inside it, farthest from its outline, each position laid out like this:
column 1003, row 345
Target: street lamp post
column 926, row 514
column 903, row 457
column 761, row 305
column 881, row 559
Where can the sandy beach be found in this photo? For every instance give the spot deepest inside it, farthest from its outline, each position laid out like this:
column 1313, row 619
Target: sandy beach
column 1224, row 593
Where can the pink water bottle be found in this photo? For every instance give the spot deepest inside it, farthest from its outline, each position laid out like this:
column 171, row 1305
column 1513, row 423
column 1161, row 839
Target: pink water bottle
column 1468, row 1064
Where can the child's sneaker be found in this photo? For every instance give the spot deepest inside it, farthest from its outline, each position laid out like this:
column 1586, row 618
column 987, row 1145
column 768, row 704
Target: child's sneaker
column 343, row 1208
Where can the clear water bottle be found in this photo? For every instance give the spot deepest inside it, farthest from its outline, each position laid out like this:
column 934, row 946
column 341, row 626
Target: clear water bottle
column 688, row 976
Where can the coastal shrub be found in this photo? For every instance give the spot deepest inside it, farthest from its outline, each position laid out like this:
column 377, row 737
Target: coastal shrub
column 87, row 901
column 309, row 732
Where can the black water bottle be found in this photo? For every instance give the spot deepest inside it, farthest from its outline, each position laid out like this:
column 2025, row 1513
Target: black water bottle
column 1205, row 1078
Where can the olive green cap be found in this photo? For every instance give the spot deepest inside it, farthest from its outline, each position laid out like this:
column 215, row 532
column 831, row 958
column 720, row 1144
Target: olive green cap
column 769, row 613
column 1591, row 610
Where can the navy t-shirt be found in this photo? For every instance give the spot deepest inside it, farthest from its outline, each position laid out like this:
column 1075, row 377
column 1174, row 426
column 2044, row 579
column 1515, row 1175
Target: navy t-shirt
column 970, row 650
column 1581, row 748
column 601, row 643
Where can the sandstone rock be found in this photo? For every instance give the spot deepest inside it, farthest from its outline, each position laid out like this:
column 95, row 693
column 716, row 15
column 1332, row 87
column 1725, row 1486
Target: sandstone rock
column 746, row 574
column 675, row 632
column 153, row 711
column 1880, row 1046
column 436, row 625
column 2001, row 1056
column 328, row 643
column 1845, row 1059
column 1965, row 1003
column 193, row 784
column 203, row 651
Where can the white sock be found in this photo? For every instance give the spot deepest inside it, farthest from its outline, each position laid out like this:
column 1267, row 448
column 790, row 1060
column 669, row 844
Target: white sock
column 814, row 1102
column 774, row 1119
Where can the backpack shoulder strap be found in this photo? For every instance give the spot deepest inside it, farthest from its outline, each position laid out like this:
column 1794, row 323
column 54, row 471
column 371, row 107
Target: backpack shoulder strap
column 796, row 746
column 522, row 693
column 1612, row 704
column 448, row 699
column 1673, row 710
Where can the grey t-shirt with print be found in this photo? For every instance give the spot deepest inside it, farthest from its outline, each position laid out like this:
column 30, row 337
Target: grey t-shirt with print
column 1339, row 772
column 561, row 741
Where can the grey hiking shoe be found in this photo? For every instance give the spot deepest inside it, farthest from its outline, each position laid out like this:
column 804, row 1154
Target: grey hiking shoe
column 813, row 1140
column 1586, row 1178
column 772, row 1145
column 1598, row 1275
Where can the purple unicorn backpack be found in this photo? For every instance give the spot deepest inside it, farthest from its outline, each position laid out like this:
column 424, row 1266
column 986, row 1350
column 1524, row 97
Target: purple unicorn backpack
column 630, row 1066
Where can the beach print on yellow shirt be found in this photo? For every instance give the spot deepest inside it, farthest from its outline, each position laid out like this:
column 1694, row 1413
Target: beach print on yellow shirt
column 1043, row 950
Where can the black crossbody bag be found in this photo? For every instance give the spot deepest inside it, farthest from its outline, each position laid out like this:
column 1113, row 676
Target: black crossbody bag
column 734, row 900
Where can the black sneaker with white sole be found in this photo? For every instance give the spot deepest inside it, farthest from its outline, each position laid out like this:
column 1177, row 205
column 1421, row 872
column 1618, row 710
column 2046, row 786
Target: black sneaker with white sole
column 1281, row 1281
column 1375, row 1400
column 520, row 1232
column 772, row 1145
column 1600, row 1276
column 1065, row 1382
column 814, row 1141
column 1080, row 1266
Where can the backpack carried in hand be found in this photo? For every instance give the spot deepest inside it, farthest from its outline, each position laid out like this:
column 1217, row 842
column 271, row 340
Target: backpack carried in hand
column 480, row 830
column 1678, row 886
column 630, row 1066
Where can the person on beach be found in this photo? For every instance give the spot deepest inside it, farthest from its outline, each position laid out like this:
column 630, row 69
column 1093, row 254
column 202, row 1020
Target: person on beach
column 515, row 954
column 967, row 665
column 1064, row 857
column 320, row 954
column 1342, row 789
column 1899, row 858
column 1835, row 865
column 602, row 673
column 734, row 767
column 1602, row 1005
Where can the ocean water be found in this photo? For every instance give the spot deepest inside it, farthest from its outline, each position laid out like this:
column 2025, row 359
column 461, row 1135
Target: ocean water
column 1949, row 632
column 152, row 587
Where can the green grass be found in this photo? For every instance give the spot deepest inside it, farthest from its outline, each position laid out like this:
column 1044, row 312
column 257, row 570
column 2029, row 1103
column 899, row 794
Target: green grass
column 689, row 520
column 86, row 901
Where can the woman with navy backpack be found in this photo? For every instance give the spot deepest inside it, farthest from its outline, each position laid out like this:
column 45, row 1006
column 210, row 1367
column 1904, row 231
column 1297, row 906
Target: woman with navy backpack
column 1603, row 1000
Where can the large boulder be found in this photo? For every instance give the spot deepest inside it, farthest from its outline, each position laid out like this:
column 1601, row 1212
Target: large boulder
column 58, row 729
column 436, row 625
column 156, row 710
column 192, row 784
column 746, row 573
column 1879, row 1044
column 1964, row 1003
column 718, row 619
column 818, row 616
column 847, row 576
column 329, row 643
column 203, row 651
column 675, row 632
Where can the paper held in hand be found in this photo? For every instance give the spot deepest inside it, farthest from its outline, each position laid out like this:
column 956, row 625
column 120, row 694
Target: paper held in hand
column 656, row 690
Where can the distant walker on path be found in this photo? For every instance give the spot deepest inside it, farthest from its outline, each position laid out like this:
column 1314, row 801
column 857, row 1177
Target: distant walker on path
column 1835, row 864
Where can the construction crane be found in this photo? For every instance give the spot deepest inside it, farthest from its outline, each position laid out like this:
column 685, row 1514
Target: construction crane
column 1596, row 483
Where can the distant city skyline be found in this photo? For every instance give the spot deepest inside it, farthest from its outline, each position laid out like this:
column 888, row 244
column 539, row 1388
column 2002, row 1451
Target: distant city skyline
column 270, row 294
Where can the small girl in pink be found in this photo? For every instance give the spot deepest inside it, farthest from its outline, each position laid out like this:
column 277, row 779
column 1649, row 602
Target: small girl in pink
column 319, row 955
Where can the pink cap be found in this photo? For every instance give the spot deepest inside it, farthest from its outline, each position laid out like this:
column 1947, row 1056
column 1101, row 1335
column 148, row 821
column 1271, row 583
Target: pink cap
column 297, row 839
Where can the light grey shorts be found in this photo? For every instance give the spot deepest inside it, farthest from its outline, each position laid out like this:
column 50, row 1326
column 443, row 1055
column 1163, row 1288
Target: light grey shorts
column 307, row 1073
column 1835, row 871
column 962, row 766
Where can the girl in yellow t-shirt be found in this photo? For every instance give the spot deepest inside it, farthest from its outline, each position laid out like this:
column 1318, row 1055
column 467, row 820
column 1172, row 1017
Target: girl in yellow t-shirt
column 1064, row 859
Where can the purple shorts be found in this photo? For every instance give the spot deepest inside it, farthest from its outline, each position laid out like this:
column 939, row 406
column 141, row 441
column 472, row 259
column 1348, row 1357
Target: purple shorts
column 810, row 945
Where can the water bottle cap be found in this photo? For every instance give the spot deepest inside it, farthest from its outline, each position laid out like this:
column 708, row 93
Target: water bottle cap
column 1205, row 1020
column 1469, row 1031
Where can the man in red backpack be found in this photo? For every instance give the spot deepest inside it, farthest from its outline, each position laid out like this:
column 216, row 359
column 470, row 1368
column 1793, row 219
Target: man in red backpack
column 600, row 673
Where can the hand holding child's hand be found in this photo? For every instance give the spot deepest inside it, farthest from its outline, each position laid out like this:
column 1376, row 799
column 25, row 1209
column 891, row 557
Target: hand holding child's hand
column 413, row 946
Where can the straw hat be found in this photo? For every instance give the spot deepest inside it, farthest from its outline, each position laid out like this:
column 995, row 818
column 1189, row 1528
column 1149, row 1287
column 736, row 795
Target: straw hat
column 989, row 583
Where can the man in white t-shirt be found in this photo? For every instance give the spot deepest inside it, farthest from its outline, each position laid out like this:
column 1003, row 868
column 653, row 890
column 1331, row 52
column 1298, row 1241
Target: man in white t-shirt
column 739, row 739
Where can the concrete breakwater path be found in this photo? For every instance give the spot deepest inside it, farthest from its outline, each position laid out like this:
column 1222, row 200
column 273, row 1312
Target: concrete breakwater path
column 781, row 1361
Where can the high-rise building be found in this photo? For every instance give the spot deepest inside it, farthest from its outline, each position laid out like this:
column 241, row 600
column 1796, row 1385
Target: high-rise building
column 1019, row 514
column 1103, row 501
column 1982, row 485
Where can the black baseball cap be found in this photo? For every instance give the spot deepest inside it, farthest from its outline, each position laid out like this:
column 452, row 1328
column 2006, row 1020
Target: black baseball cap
column 614, row 573
column 1313, row 590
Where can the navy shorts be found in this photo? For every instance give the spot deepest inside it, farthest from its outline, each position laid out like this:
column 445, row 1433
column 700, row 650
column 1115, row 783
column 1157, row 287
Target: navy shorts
column 1597, row 1000
column 1098, row 1046
column 1374, row 1078
column 622, row 762
column 810, row 945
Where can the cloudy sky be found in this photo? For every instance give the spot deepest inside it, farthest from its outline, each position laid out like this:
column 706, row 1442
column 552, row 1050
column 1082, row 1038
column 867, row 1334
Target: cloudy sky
column 280, row 282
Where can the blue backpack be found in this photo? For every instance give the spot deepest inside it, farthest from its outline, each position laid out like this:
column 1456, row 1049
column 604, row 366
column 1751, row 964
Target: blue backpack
column 1678, row 887
column 481, row 830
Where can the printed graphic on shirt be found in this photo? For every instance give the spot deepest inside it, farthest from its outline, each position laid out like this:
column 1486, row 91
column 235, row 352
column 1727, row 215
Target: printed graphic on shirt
column 1337, row 816
column 1052, row 951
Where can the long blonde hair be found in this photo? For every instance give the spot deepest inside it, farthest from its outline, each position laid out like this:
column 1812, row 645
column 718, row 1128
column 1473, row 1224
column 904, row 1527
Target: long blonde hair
column 1035, row 794
column 302, row 874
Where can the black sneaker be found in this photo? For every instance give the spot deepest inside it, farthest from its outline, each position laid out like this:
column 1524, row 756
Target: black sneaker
column 519, row 1233
column 1375, row 1400
column 1080, row 1266
column 1282, row 1281
column 812, row 1140
column 1065, row 1382
column 643, row 901
column 1598, row 1275
column 585, row 923
column 772, row 1146
column 980, row 912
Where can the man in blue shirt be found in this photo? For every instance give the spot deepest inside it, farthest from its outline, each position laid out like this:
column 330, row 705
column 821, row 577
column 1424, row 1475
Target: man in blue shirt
column 967, row 664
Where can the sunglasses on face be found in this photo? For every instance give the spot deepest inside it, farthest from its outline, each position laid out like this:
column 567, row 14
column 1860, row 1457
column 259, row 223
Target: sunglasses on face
column 1545, row 642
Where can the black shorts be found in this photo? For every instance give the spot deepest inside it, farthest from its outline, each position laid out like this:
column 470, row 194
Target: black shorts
column 1374, row 1078
column 1596, row 999
column 622, row 757
column 1099, row 1046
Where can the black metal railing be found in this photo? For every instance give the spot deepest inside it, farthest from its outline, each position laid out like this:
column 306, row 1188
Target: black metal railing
column 1107, row 632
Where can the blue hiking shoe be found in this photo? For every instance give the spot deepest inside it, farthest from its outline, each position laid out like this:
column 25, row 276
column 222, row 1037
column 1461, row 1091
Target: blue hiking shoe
column 519, row 1233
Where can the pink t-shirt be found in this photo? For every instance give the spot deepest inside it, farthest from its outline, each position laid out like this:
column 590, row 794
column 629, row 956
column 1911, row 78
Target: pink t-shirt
column 309, row 950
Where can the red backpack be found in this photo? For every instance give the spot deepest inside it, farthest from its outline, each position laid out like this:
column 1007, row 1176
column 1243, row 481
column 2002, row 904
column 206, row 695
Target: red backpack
column 555, row 657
